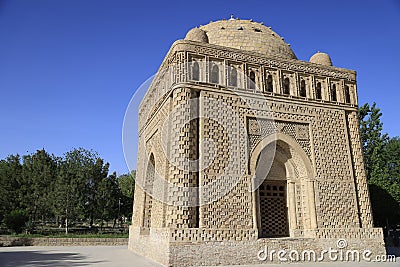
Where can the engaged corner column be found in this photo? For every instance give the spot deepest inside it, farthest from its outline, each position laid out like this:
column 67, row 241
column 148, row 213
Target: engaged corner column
column 292, row 206
column 311, row 203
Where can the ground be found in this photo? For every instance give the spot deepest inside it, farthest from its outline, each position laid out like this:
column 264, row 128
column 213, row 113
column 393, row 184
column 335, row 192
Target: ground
column 114, row 256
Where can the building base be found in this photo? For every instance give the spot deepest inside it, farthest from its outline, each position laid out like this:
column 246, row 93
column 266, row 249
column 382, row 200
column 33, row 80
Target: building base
column 328, row 245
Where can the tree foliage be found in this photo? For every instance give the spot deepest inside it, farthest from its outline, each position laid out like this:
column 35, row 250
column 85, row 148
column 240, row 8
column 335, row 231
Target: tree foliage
column 16, row 220
column 74, row 187
column 382, row 165
column 10, row 180
column 38, row 172
column 126, row 183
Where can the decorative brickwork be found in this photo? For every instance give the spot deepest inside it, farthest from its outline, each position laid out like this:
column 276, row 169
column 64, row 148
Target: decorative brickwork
column 261, row 128
column 241, row 144
column 361, row 186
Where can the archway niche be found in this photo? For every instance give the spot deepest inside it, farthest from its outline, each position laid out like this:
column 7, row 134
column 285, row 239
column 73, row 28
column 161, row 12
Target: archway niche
column 284, row 198
column 148, row 190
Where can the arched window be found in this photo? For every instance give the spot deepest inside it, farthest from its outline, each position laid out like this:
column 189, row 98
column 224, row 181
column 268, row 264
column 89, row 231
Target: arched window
column 233, row 77
column 214, row 74
column 286, row 86
column 195, row 71
column 270, row 85
column 303, row 91
column 333, row 93
column 252, row 82
column 347, row 93
column 318, row 93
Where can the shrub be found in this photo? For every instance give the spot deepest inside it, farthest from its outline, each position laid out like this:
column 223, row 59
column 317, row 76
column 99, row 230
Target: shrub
column 16, row 220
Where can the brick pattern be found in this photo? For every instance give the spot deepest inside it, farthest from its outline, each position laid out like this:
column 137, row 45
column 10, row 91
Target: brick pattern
column 176, row 68
column 337, row 208
column 330, row 145
column 206, row 234
column 332, row 173
column 138, row 206
column 359, row 170
column 357, row 233
column 224, row 158
column 183, row 148
column 261, row 128
column 255, row 58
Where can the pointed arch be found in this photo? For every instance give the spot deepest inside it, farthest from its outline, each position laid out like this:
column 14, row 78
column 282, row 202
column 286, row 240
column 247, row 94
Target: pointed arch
column 347, row 94
column 270, row 85
column 195, row 71
column 286, row 139
column 233, row 77
column 252, row 80
column 303, row 91
column 276, row 213
column 148, row 191
column 214, row 74
column 318, row 91
column 286, row 86
column 333, row 93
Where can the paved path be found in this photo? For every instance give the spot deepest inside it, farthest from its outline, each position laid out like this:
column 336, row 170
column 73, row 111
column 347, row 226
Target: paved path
column 114, row 256
column 72, row 256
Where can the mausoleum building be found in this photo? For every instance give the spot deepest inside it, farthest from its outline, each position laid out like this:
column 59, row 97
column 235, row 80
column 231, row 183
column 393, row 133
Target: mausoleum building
column 243, row 147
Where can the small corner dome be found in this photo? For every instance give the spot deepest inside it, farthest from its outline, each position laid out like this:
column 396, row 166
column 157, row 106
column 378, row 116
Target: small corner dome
column 321, row 58
column 197, row 35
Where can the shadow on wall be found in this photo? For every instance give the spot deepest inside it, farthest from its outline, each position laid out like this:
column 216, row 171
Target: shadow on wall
column 38, row 258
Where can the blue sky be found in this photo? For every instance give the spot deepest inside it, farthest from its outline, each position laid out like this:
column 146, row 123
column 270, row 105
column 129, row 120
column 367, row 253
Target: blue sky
column 68, row 68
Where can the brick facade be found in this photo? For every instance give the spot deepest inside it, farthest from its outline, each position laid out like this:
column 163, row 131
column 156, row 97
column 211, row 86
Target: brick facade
column 223, row 99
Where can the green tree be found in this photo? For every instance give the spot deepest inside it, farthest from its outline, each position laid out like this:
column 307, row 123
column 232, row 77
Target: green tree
column 97, row 172
column 392, row 171
column 126, row 183
column 39, row 170
column 77, row 188
column 67, row 196
column 391, row 158
column 10, row 179
column 72, row 188
column 69, row 193
column 109, row 198
column 373, row 140
column 16, row 220
column 381, row 155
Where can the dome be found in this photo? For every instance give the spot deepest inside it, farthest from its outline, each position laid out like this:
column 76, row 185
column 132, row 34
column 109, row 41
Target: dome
column 246, row 35
column 197, row 35
column 321, row 58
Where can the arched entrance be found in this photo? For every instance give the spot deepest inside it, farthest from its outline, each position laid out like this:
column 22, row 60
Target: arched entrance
column 284, row 202
column 273, row 208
